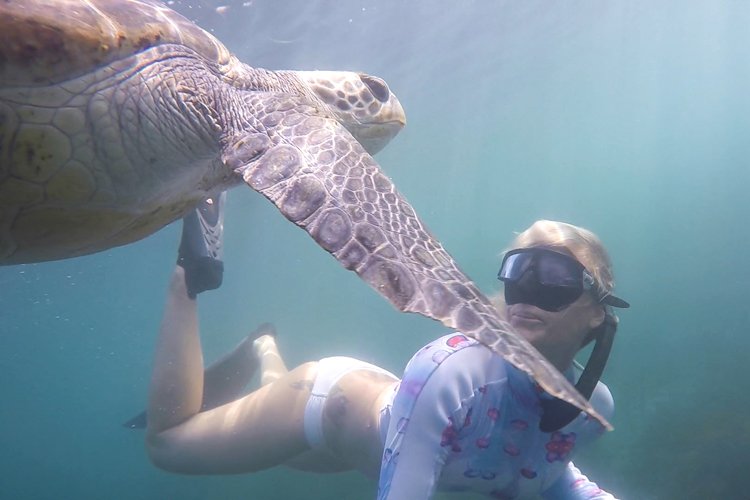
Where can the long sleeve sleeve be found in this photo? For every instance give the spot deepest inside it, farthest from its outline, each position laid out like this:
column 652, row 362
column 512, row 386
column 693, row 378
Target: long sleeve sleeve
column 417, row 445
column 573, row 485
column 413, row 458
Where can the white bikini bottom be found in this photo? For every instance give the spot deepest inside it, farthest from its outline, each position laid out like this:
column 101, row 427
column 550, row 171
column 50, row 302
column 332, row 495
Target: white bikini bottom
column 330, row 371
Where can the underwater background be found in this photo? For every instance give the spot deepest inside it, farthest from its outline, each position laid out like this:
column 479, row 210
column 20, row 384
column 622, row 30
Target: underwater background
column 629, row 118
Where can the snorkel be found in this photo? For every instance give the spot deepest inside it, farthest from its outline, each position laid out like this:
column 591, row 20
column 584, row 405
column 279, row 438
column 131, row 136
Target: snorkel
column 556, row 413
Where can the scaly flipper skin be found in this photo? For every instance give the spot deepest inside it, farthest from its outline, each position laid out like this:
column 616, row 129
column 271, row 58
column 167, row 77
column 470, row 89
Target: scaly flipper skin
column 325, row 182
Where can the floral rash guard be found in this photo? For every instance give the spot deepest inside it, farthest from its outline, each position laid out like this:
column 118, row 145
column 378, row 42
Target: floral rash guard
column 463, row 419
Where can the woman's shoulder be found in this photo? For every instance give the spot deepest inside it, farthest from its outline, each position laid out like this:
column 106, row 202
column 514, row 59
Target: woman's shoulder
column 441, row 349
column 446, row 374
column 452, row 355
column 602, row 400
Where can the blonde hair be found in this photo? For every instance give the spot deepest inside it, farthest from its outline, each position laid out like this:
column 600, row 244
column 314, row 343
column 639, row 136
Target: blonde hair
column 580, row 243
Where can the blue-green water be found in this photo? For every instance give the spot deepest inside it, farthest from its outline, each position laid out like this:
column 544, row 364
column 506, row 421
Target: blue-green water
column 629, row 118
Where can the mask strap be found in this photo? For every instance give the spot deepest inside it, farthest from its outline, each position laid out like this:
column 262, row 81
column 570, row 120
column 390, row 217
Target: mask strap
column 556, row 413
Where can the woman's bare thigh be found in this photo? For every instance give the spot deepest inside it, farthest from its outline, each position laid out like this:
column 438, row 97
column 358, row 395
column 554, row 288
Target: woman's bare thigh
column 261, row 430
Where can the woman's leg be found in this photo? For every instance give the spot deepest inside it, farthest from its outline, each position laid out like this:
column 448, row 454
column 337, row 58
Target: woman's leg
column 225, row 380
column 176, row 390
column 177, row 384
column 260, row 430
column 272, row 366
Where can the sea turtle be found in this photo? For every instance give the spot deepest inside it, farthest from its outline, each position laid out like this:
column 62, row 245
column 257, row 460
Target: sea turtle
column 119, row 116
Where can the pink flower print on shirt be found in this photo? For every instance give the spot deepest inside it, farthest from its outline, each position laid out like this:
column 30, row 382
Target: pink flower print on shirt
column 450, row 437
column 483, row 442
column 560, row 446
column 528, row 473
column 458, row 341
column 511, row 450
column 519, row 425
column 493, row 413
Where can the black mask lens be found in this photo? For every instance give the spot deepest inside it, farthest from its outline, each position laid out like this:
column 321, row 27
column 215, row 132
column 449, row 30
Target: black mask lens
column 548, row 298
column 555, row 298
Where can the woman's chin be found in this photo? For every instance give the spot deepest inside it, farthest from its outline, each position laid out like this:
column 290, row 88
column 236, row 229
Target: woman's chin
column 531, row 331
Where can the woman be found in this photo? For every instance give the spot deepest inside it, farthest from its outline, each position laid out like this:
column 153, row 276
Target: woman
column 460, row 419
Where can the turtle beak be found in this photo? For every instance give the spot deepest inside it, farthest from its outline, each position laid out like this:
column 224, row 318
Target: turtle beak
column 375, row 137
column 375, row 134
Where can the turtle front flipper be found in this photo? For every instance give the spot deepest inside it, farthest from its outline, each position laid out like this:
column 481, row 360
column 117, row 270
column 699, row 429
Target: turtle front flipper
column 323, row 180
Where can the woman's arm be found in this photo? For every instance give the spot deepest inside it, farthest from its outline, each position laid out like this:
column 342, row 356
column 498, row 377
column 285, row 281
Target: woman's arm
column 436, row 381
column 413, row 458
column 573, row 485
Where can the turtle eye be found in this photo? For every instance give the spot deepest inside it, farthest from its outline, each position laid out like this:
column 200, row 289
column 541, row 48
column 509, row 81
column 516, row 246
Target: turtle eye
column 377, row 86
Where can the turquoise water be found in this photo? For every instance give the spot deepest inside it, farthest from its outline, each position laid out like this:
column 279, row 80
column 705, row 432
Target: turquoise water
column 629, row 118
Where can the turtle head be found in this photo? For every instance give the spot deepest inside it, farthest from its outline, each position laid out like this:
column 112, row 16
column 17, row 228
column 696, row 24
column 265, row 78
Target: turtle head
column 362, row 103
